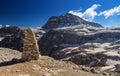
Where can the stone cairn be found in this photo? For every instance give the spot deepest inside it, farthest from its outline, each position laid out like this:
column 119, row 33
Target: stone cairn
column 30, row 46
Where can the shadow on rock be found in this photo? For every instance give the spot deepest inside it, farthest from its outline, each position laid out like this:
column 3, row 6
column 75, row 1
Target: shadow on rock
column 13, row 61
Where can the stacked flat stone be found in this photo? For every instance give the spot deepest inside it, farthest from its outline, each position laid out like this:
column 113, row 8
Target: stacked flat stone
column 30, row 46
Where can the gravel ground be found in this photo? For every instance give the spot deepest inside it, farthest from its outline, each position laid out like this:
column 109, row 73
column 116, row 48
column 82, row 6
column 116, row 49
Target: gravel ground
column 45, row 66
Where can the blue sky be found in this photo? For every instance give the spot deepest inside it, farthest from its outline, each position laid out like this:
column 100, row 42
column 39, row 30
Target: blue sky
column 35, row 13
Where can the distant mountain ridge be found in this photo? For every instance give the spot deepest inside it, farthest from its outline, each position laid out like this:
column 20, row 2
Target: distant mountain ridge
column 67, row 20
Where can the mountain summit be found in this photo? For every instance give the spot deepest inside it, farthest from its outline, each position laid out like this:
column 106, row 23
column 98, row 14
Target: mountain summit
column 67, row 20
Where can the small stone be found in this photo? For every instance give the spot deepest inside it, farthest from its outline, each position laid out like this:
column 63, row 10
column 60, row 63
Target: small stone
column 85, row 69
column 94, row 71
column 46, row 74
column 17, row 70
column 118, row 52
column 105, row 73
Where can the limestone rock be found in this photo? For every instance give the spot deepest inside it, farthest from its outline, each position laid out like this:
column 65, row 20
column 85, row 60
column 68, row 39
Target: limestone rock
column 30, row 47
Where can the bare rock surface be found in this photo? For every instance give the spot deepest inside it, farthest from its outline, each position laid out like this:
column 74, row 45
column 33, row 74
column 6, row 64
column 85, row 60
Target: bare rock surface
column 7, row 54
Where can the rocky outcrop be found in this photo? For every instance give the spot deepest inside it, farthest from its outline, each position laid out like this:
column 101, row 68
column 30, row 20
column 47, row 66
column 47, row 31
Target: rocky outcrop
column 67, row 20
column 10, row 30
column 57, row 39
column 30, row 46
column 14, row 38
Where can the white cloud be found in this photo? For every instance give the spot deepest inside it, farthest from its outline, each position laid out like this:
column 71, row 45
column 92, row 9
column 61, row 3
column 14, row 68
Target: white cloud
column 89, row 13
column 110, row 12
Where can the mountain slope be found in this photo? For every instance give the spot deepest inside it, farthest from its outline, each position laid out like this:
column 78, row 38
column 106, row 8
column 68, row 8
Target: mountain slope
column 67, row 20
